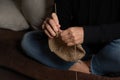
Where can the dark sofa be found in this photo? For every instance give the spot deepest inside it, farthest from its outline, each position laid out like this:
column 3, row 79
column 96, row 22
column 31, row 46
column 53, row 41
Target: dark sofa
column 15, row 65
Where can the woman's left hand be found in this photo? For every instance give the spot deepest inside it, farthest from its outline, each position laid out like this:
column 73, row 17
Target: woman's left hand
column 73, row 36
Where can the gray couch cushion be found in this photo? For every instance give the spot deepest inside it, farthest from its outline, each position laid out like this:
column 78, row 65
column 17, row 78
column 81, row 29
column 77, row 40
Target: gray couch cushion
column 36, row 10
column 10, row 16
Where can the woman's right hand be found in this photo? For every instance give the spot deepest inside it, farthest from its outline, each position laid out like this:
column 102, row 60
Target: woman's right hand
column 51, row 26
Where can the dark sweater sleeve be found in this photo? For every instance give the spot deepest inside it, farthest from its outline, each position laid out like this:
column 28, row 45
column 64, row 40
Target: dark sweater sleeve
column 102, row 33
column 92, row 34
column 64, row 12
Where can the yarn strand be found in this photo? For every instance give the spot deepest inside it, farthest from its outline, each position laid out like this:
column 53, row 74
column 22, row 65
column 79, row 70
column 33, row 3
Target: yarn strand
column 76, row 75
column 74, row 56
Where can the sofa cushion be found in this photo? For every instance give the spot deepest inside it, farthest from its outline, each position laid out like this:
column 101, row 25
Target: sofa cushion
column 10, row 16
column 35, row 10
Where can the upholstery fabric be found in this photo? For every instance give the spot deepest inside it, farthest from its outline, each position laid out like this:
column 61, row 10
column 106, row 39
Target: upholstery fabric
column 11, row 17
column 20, row 14
column 36, row 10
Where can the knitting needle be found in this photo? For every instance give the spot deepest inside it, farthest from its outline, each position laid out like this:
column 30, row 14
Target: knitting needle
column 55, row 8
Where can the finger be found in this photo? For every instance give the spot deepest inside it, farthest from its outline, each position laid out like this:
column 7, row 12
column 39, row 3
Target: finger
column 45, row 22
column 68, row 41
column 43, row 26
column 60, row 31
column 48, row 34
column 66, row 37
column 53, row 25
column 50, row 30
column 54, row 16
column 71, row 44
column 65, row 33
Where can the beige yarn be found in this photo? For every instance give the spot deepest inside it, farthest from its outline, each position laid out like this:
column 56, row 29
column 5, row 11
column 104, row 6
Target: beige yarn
column 65, row 52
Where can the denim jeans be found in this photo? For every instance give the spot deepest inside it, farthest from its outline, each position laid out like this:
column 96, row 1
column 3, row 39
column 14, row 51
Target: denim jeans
column 107, row 60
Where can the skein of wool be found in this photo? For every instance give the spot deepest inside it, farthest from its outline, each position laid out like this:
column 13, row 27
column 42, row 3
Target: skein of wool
column 67, row 53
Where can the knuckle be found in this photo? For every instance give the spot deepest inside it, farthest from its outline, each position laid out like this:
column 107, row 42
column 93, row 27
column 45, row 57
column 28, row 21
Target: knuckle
column 50, row 21
column 70, row 30
column 54, row 34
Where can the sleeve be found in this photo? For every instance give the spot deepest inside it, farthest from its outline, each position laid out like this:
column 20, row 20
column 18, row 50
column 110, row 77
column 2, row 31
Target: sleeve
column 102, row 33
column 63, row 8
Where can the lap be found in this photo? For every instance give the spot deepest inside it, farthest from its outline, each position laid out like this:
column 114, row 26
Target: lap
column 35, row 44
column 107, row 60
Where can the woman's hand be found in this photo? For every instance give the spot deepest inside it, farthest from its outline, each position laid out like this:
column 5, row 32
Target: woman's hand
column 73, row 36
column 51, row 26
